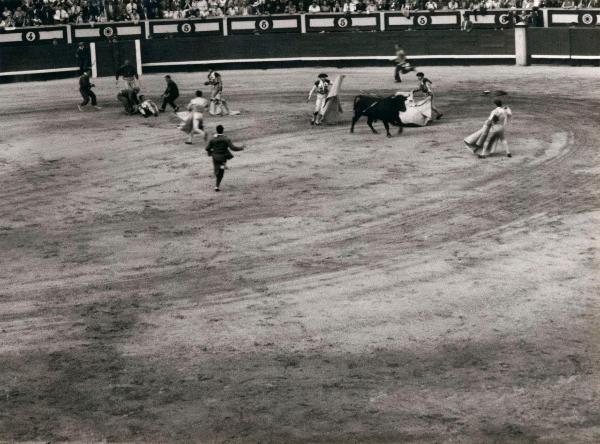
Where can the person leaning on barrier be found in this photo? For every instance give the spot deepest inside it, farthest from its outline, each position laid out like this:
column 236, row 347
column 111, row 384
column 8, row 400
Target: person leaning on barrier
column 83, row 57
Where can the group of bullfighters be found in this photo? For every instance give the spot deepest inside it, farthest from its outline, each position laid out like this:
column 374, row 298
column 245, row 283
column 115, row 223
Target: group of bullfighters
column 219, row 147
column 393, row 110
column 135, row 103
column 390, row 110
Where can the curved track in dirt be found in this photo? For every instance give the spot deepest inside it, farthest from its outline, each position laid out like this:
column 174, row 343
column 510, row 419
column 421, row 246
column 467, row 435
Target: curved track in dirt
column 341, row 287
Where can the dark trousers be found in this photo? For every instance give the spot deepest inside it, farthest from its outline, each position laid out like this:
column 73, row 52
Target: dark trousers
column 82, row 66
column 219, row 167
column 87, row 95
column 169, row 101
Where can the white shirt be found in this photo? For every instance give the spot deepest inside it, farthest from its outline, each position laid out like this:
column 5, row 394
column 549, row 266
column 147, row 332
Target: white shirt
column 502, row 115
column 197, row 105
column 314, row 8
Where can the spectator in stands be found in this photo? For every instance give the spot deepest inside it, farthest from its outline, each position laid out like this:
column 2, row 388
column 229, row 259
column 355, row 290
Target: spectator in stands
column 61, row 15
column 536, row 18
column 513, row 17
column 149, row 8
column 325, row 7
column 19, row 17
column 202, row 7
column 371, row 7
column 568, row 4
column 406, row 9
column 453, row 5
column 314, row 8
column 95, row 8
column 467, row 24
column 348, row 7
column 7, row 22
column 361, row 6
column 246, row 9
column 46, row 15
column 185, row 8
column 431, row 6
column 74, row 10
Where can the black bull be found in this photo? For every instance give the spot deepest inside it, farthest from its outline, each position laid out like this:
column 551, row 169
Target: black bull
column 376, row 108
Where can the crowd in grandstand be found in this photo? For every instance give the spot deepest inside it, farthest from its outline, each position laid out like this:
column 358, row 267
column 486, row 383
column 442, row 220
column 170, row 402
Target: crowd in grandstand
column 56, row 12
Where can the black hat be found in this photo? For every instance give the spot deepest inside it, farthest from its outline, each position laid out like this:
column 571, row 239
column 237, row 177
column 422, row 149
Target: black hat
column 323, row 75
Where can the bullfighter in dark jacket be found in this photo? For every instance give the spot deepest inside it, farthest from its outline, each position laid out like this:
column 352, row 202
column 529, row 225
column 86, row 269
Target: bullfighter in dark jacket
column 170, row 95
column 85, row 89
column 218, row 148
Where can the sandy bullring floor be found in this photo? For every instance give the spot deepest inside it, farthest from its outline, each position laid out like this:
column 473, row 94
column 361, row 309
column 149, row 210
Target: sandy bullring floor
column 341, row 288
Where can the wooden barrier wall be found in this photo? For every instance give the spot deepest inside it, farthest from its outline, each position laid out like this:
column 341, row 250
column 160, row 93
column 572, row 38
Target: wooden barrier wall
column 166, row 44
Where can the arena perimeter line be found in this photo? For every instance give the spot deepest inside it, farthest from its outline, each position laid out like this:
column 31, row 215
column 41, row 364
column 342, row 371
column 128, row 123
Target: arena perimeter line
column 317, row 59
column 38, row 71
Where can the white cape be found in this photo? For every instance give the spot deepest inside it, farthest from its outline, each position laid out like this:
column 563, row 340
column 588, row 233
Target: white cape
column 332, row 111
column 417, row 113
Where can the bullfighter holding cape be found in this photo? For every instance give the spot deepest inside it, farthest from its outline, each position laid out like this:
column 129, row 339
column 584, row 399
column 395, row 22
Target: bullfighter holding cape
column 491, row 133
column 331, row 111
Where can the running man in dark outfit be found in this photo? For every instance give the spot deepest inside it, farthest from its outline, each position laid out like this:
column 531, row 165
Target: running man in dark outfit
column 85, row 89
column 218, row 148
column 170, row 94
column 402, row 65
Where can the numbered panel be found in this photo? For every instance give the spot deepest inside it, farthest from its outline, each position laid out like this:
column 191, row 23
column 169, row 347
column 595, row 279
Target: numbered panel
column 185, row 28
column 264, row 24
column 423, row 20
column 492, row 19
column 572, row 17
column 342, row 22
column 37, row 35
column 108, row 31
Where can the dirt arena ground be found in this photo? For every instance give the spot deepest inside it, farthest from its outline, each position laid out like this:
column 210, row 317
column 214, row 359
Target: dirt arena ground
column 341, row 288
